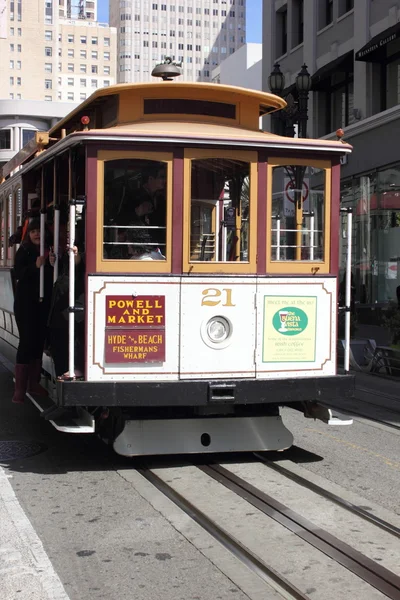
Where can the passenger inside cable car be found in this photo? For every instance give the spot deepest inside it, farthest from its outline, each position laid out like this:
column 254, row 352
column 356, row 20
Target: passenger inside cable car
column 135, row 209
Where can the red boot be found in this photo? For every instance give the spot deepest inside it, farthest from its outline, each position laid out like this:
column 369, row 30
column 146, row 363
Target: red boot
column 35, row 371
column 21, row 382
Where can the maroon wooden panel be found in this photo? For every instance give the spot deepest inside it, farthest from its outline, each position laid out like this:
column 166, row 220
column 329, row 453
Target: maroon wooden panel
column 177, row 212
column 91, row 208
column 262, row 214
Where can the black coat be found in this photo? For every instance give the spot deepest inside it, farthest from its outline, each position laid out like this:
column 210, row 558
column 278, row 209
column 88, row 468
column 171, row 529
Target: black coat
column 27, row 276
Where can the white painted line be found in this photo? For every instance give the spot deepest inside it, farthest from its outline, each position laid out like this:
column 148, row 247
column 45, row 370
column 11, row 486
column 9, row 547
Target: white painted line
column 25, row 569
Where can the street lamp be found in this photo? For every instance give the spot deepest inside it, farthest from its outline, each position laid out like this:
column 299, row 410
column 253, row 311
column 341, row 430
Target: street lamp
column 303, row 86
column 276, row 80
column 294, row 112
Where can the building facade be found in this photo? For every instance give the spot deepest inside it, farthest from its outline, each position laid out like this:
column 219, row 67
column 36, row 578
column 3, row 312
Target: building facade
column 54, row 50
column 19, row 119
column 352, row 50
column 243, row 68
column 198, row 33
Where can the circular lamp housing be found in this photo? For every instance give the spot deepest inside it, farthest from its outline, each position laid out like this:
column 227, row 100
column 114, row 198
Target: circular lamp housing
column 276, row 80
column 303, row 80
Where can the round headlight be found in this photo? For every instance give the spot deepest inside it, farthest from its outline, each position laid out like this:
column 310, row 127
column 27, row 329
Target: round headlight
column 218, row 329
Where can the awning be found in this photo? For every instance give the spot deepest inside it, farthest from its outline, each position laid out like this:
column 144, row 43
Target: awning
column 376, row 47
column 343, row 63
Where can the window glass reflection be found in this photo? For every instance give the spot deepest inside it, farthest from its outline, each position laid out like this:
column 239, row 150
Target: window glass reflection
column 219, row 214
column 298, row 213
column 135, row 209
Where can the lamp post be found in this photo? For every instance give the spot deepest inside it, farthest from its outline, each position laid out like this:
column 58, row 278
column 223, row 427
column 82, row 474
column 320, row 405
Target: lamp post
column 294, row 112
column 303, row 86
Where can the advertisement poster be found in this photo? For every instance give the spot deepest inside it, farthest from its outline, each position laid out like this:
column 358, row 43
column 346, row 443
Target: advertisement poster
column 289, row 329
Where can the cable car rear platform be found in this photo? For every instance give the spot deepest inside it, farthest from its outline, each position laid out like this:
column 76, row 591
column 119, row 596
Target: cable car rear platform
column 198, row 393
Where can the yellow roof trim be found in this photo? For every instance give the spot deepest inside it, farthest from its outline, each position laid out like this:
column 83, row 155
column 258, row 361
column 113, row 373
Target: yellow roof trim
column 266, row 101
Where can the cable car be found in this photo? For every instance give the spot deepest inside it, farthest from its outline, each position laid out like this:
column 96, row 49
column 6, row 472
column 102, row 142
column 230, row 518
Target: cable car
column 209, row 268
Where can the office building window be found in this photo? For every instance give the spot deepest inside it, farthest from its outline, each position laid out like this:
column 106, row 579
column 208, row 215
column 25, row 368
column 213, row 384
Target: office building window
column 94, row 54
column 70, row 38
column 71, row 52
column 11, row 96
column 83, row 39
column 70, row 81
column 48, row 67
column 325, row 14
column 48, row 84
column 106, row 83
column 82, row 82
column 94, row 69
column 11, row 64
column 106, row 41
column 82, row 96
column 106, row 56
column 48, row 12
column 297, row 22
column 48, row 98
column 48, row 51
column 82, row 53
column 19, row 81
column 94, row 83
column 70, row 96
column 11, row 80
column 11, row 31
column 281, row 31
column 71, row 67
column 95, row 41
column 48, row 35
column 345, row 6
column 18, row 64
column 82, row 68
column 27, row 136
column 107, row 71
column 19, row 48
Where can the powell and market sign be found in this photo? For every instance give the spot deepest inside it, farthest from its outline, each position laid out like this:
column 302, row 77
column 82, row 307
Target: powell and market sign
column 378, row 42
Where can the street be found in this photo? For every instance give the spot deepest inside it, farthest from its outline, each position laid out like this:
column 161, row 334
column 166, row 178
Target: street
column 108, row 535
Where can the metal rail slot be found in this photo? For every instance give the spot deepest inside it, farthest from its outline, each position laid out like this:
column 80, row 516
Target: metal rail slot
column 266, row 573
column 221, row 393
column 360, row 512
column 371, row 572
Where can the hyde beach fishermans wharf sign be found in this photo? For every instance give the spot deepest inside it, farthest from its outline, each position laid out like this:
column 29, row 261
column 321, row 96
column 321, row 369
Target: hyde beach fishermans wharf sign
column 135, row 329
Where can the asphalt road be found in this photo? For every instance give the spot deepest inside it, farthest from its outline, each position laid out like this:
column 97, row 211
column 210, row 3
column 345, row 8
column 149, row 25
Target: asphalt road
column 105, row 540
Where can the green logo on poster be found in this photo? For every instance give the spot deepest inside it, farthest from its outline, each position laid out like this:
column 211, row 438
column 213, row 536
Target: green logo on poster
column 290, row 320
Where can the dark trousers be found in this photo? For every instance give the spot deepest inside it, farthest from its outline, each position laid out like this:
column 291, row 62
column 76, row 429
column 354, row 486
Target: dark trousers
column 32, row 335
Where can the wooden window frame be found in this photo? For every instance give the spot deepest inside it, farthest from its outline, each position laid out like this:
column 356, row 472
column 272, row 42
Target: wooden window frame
column 295, row 267
column 106, row 265
column 248, row 267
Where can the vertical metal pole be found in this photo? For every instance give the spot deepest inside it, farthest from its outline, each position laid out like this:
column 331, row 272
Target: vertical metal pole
column 278, row 237
column 71, row 316
column 56, row 241
column 312, row 236
column 348, row 291
column 42, row 236
column 56, row 230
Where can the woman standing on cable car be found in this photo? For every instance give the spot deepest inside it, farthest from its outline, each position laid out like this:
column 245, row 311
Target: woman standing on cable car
column 30, row 313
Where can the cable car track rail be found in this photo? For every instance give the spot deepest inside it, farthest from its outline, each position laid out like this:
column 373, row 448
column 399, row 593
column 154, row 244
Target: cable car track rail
column 368, row 570
column 360, row 512
column 265, row 572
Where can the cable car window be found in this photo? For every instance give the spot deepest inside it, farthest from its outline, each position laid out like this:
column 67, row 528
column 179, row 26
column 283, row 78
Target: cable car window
column 134, row 209
column 220, row 210
column 298, row 213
